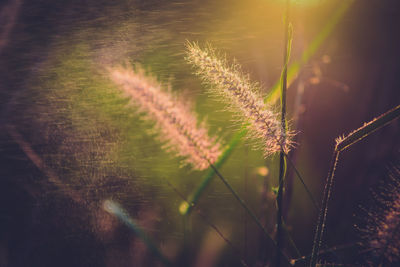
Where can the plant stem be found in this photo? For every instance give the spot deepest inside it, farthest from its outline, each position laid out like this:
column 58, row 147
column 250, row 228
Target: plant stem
column 187, row 242
column 311, row 49
column 207, row 220
column 342, row 144
column 282, row 170
column 272, row 97
column 252, row 215
column 367, row 129
column 187, row 206
column 303, row 183
column 324, row 210
column 282, row 160
column 113, row 208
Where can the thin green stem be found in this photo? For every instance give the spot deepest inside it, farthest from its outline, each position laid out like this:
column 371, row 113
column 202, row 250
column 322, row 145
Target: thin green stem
column 272, row 97
column 291, row 241
column 282, row 160
column 186, row 207
column 187, row 242
column 282, row 172
column 205, row 218
column 324, row 210
column 311, row 49
column 246, row 208
column 302, row 181
column 120, row 213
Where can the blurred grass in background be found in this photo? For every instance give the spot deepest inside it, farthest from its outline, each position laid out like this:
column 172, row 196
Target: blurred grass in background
column 56, row 93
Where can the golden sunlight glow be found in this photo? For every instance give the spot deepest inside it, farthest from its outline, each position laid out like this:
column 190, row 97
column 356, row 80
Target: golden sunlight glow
column 303, row 2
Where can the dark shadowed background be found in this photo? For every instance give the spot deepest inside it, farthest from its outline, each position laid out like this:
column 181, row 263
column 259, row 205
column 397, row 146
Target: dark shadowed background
column 68, row 142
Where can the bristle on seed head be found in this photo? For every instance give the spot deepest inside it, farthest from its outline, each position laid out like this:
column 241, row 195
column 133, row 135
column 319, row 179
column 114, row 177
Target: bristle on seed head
column 381, row 232
column 175, row 121
column 229, row 84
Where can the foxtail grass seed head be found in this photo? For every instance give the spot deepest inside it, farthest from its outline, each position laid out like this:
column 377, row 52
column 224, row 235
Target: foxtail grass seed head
column 178, row 126
column 382, row 231
column 228, row 83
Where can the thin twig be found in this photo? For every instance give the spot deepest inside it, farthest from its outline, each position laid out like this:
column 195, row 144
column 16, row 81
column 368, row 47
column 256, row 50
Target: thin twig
column 302, row 181
column 113, row 208
column 252, row 215
column 41, row 165
column 207, row 220
column 291, row 241
column 324, row 210
column 186, row 207
column 282, row 161
column 343, row 143
column 272, row 97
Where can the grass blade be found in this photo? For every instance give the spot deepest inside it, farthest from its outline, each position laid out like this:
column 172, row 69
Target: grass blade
column 282, row 160
column 343, row 143
column 116, row 210
column 186, row 207
column 273, row 96
column 315, row 44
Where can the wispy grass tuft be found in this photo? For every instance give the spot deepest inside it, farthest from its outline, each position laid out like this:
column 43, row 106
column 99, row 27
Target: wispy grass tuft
column 178, row 125
column 232, row 86
column 229, row 84
column 382, row 229
column 272, row 97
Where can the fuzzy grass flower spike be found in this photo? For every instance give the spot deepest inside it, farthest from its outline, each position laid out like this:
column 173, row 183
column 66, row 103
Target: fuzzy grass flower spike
column 382, row 232
column 228, row 83
column 177, row 125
